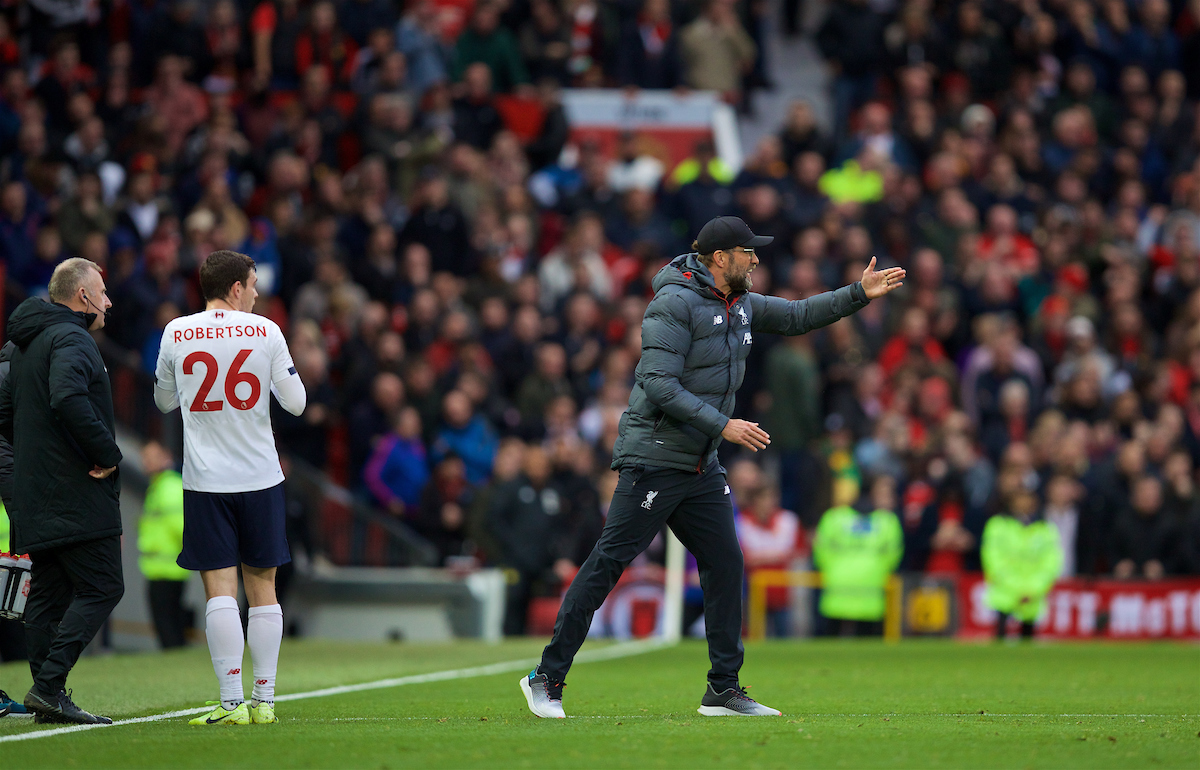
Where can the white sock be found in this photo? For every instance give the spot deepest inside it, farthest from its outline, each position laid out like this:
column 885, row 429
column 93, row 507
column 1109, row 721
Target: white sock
column 223, row 627
column 265, row 633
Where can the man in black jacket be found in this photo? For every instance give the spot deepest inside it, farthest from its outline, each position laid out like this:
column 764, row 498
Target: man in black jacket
column 696, row 335
column 56, row 410
column 533, row 523
column 851, row 40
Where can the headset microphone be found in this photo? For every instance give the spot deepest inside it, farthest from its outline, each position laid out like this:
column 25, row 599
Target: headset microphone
column 88, row 300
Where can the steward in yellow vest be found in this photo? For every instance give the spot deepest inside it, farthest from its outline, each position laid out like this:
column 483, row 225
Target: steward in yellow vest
column 160, row 539
column 1022, row 557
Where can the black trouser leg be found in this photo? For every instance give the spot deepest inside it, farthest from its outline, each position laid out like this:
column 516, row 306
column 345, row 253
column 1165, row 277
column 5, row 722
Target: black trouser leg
column 166, row 607
column 1001, row 625
column 93, row 573
column 1027, row 630
column 49, row 596
column 704, row 524
column 641, row 504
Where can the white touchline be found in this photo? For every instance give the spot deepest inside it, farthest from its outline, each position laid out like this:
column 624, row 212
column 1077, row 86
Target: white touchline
column 623, row 650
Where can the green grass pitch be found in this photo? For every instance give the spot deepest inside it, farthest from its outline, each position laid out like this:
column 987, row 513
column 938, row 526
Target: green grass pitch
column 853, row 704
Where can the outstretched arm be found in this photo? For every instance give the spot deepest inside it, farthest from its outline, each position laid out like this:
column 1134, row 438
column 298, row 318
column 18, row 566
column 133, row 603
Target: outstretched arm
column 776, row 315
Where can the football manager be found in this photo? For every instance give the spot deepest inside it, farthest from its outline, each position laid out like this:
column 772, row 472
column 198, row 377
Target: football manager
column 696, row 335
column 56, row 409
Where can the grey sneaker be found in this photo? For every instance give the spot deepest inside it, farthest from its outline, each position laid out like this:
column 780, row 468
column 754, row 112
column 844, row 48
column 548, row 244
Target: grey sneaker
column 733, row 702
column 543, row 695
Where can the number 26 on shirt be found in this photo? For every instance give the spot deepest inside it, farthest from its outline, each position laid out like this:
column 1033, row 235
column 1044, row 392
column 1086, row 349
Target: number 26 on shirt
column 233, row 378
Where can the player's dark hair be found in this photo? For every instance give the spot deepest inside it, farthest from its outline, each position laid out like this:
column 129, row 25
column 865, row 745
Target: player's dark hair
column 221, row 271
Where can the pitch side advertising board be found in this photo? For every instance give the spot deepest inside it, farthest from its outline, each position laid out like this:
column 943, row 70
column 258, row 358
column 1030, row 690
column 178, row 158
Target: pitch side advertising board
column 1100, row 609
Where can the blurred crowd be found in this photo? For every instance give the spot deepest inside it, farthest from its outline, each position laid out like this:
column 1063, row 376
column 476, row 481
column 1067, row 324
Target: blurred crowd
column 462, row 284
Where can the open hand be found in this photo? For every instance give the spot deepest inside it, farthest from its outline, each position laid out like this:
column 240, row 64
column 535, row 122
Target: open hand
column 877, row 283
column 746, row 434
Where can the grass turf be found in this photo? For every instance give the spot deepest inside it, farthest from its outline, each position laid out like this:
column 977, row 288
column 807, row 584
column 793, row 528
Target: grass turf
column 846, row 704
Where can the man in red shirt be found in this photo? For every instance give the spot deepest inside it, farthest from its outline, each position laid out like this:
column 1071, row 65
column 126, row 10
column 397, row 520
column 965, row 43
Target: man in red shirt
column 771, row 538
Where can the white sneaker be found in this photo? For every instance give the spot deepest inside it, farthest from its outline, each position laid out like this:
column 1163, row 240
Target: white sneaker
column 543, row 696
column 733, row 702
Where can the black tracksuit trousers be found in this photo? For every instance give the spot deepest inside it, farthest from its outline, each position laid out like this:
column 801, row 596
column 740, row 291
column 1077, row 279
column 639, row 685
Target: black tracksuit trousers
column 72, row 591
column 697, row 508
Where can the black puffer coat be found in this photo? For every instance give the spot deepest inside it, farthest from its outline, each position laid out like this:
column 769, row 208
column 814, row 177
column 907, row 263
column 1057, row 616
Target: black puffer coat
column 694, row 347
column 56, row 409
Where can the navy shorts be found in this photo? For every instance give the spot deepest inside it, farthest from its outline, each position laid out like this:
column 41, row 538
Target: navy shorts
column 226, row 529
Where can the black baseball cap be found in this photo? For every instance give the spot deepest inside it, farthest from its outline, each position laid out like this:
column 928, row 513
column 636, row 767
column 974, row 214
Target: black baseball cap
column 727, row 233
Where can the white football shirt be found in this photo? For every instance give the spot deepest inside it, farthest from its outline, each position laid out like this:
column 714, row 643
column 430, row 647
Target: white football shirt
column 220, row 367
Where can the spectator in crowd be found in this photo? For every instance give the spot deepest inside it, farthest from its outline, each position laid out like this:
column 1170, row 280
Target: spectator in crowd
column 179, row 104
column 372, row 418
column 545, row 42
column 772, row 539
column 716, row 51
column 160, row 539
column 307, row 436
column 1142, row 534
column 1062, row 511
column 856, row 554
column 648, row 48
column 486, row 42
column 323, row 44
column 441, row 514
column 530, row 522
column 439, row 225
column 851, row 40
column 633, row 168
column 399, row 469
column 467, row 434
column 419, row 39
column 1022, row 557
column 794, row 421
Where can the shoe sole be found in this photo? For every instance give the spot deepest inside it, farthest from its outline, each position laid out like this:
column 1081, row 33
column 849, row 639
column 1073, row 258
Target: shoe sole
column 525, row 688
column 721, row 711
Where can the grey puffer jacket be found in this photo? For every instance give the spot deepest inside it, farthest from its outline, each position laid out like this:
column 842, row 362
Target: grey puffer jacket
column 694, row 347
